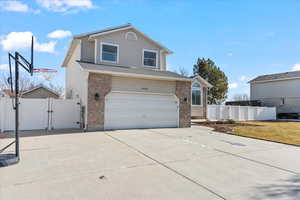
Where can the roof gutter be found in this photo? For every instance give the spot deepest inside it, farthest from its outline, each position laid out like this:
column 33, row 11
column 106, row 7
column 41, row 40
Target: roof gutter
column 139, row 75
column 273, row 80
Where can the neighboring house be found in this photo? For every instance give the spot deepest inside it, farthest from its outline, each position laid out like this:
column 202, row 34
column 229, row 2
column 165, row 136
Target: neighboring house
column 119, row 74
column 39, row 92
column 199, row 89
column 6, row 93
column 280, row 90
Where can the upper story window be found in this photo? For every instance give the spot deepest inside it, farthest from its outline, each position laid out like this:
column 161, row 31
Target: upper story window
column 109, row 52
column 149, row 58
column 196, row 94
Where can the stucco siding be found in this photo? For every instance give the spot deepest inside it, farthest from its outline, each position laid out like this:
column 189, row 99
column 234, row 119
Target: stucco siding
column 142, row 85
column 76, row 79
column 130, row 51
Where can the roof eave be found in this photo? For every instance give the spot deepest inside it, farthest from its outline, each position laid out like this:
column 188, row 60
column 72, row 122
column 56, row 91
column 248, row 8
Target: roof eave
column 79, row 36
column 137, row 75
column 69, row 53
column 205, row 81
column 273, row 80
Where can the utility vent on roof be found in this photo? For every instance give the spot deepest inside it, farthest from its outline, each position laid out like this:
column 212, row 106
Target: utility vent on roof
column 131, row 36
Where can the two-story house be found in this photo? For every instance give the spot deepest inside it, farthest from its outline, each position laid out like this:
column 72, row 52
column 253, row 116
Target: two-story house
column 120, row 76
column 279, row 90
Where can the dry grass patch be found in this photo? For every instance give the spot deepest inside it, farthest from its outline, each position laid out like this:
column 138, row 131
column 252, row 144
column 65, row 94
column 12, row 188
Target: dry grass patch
column 284, row 132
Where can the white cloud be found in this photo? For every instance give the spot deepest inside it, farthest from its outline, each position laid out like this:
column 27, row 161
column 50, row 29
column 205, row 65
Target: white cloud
column 296, row 67
column 14, row 5
column 22, row 40
column 58, row 34
column 229, row 54
column 4, row 67
column 48, row 47
column 244, row 78
column 65, row 5
column 232, row 85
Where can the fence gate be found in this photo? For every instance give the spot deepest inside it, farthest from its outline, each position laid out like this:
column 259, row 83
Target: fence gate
column 40, row 114
column 64, row 114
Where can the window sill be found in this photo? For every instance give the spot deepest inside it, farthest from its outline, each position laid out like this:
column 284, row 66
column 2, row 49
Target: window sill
column 107, row 61
column 197, row 105
column 150, row 67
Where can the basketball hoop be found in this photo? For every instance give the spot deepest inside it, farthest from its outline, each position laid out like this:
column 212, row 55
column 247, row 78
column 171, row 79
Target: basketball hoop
column 46, row 73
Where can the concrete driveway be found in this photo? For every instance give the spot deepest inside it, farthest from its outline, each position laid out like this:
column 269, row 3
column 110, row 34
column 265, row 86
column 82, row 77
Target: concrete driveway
column 192, row 163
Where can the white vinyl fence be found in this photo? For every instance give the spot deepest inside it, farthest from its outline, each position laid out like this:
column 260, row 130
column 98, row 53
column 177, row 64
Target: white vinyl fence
column 40, row 114
column 240, row 113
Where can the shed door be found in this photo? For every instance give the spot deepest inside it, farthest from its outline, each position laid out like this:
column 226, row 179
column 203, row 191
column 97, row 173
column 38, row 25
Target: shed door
column 133, row 110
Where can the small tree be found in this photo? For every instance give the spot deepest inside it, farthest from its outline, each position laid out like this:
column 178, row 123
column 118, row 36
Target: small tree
column 208, row 70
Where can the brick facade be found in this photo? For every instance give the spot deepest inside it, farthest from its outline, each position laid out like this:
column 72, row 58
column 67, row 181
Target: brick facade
column 183, row 93
column 101, row 84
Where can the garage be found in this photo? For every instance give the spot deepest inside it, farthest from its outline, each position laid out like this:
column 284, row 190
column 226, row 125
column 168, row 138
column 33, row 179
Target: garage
column 124, row 110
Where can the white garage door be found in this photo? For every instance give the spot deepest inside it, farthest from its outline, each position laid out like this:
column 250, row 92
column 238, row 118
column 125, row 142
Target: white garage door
column 132, row 110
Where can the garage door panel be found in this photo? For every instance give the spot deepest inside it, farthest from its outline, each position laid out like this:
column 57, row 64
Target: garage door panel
column 118, row 108
column 131, row 110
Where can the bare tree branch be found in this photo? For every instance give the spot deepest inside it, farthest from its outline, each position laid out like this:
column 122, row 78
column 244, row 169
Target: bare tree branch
column 57, row 88
column 183, row 71
column 26, row 82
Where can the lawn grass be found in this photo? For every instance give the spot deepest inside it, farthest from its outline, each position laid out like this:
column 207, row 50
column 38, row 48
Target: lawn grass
column 284, row 132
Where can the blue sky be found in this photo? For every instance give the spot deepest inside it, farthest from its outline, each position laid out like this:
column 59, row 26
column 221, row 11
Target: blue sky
column 244, row 38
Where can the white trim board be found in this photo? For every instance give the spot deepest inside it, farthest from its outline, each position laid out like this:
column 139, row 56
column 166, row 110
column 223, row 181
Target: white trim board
column 156, row 60
column 111, row 44
column 138, row 75
column 201, row 94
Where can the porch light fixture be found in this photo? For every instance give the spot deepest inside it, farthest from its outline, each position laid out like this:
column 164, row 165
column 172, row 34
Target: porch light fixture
column 97, row 96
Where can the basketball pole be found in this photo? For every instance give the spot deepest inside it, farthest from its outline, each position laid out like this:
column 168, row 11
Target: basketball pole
column 17, row 105
column 20, row 61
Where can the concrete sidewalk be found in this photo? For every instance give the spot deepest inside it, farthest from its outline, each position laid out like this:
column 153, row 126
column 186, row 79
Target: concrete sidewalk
column 191, row 163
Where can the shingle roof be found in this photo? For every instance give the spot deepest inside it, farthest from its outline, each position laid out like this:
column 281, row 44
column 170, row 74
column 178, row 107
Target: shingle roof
column 199, row 78
column 8, row 92
column 40, row 86
column 102, row 30
column 279, row 76
column 125, row 70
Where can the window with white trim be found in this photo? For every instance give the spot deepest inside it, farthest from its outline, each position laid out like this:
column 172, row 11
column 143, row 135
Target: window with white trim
column 150, row 58
column 196, row 94
column 109, row 52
